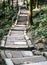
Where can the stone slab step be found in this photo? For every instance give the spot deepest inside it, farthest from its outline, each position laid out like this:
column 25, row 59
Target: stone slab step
column 17, row 53
column 27, row 53
column 17, row 32
column 23, row 15
column 16, row 37
column 22, row 22
column 40, row 63
column 22, row 18
column 24, row 11
column 20, row 25
column 23, row 7
column 33, row 59
column 17, row 41
column 15, row 46
column 13, row 54
column 18, row 28
column 20, row 44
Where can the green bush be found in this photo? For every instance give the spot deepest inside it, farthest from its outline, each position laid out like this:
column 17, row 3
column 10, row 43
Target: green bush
column 40, row 23
column 1, row 33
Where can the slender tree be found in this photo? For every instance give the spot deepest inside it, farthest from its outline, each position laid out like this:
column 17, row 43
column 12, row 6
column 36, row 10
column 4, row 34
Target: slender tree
column 30, row 14
column 27, row 3
column 9, row 3
column 17, row 6
column 23, row 1
column 12, row 4
column 3, row 5
column 36, row 4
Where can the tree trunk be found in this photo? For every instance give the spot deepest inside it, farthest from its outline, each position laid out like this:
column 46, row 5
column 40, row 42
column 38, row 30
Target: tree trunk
column 27, row 4
column 9, row 3
column 3, row 5
column 36, row 4
column 23, row 1
column 17, row 6
column 12, row 4
column 30, row 14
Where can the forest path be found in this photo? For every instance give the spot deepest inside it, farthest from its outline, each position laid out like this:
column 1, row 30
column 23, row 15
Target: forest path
column 17, row 47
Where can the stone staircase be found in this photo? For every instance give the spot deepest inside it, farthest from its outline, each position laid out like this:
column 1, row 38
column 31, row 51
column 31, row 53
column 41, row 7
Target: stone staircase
column 18, row 44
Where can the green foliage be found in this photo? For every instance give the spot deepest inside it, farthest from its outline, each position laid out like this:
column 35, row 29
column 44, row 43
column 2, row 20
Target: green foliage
column 1, row 33
column 40, row 22
column 46, row 42
column 39, row 16
column 6, row 16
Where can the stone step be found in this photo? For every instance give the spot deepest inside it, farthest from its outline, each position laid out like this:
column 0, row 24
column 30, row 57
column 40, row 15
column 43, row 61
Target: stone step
column 23, row 15
column 22, row 22
column 15, row 42
column 14, row 33
column 15, row 46
column 21, row 25
column 17, row 32
column 27, row 53
column 23, row 6
column 24, row 11
column 18, row 28
column 18, row 53
column 15, row 37
column 40, row 63
column 18, row 44
column 22, row 18
column 33, row 59
column 13, row 54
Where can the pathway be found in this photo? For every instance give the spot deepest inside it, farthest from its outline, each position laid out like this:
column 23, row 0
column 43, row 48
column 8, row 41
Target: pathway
column 18, row 44
column 17, row 37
